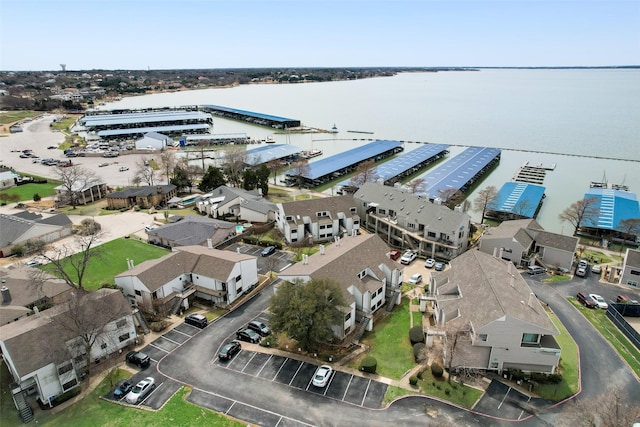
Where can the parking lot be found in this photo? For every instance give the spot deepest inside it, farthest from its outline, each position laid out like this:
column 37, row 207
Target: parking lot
column 277, row 261
column 503, row 401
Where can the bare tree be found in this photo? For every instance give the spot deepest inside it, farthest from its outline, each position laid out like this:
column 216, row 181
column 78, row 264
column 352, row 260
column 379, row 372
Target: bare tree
column 299, row 168
column 275, row 166
column 451, row 197
column 522, row 208
column 608, row 409
column 485, row 200
column 70, row 262
column 454, row 335
column 580, row 213
column 417, row 185
column 234, row 163
column 365, row 172
column 145, row 173
column 168, row 160
column 628, row 228
column 75, row 179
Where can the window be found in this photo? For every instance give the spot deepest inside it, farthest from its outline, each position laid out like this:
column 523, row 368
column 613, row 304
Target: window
column 506, row 250
column 347, row 317
column 65, row 368
column 382, row 211
column 482, row 337
column 124, row 337
column 362, row 274
column 411, row 225
column 353, row 210
column 120, row 323
column 632, row 283
column 238, row 278
column 79, row 359
column 66, row 386
column 431, row 234
column 138, row 293
column 530, row 338
column 635, row 272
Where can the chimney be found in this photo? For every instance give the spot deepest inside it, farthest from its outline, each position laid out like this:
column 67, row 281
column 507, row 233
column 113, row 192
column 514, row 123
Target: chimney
column 531, row 298
column 36, row 311
column 501, row 252
column 209, row 244
column 495, row 252
column 6, row 295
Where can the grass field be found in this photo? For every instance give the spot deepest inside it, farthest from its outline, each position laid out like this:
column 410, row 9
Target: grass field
column 8, row 117
column 26, row 192
column 101, row 271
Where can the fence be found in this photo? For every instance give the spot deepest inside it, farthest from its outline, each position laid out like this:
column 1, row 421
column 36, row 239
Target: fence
column 615, row 313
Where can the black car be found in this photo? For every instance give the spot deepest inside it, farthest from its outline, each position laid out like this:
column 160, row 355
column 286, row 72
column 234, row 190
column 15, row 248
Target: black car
column 138, row 358
column 197, row 320
column 248, row 335
column 268, row 250
column 229, row 350
column 122, row 389
column 262, row 329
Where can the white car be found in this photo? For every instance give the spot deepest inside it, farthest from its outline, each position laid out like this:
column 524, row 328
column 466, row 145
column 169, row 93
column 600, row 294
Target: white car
column 123, row 168
column 141, row 390
column 600, row 301
column 596, row 269
column 322, row 375
column 415, row 279
column 429, row 263
column 408, row 257
column 149, row 228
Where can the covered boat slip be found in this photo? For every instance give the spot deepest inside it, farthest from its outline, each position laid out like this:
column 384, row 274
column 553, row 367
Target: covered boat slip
column 325, row 170
column 251, row 117
column 516, row 200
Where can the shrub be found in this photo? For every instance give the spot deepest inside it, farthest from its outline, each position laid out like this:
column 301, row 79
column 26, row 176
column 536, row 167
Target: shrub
column 416, row 335
column 447, row 392
column 18, row 250
column 418, row 351
column 36, row 197
column 555, row 378
column 369, row 364
column 436, row 370
column 419, row 375
column 413, row 380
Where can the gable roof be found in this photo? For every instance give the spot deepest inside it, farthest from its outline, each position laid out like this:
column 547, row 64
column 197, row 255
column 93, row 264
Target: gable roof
column 490, row 288
column 526, row 231
column 194, row 230
column 343, row 262
column 408, row 205
column 145, row 191
column 36, row 341
column 310, row 207
column 156, row 135
column 557, row 241
column 22, row 289
column 19, row 228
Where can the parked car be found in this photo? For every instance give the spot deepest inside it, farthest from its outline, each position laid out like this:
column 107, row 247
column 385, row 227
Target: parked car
column 622, row 299
column 535, row 269
column 33, row 263
column 123, row 168
column 111, row 154
column 599, row 301
column 262, row 329
column 394, row 254
column 196, row 319
column 268, row 251
column 581, row 269
column 415, row 279
column 141, row 390
column 51, row 147
column 148, row 228
column 408, row 257
column 122, row 388
column 138, row 358
column 229, row 350
column 322, row 375
column 248, row 335
column 596, row 269
column 439, row 266
column 101, row 165
column 430, row 263
column 586, row 300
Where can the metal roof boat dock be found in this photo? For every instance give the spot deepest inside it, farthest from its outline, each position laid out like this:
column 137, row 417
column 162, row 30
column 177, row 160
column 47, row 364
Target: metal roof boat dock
column 460, row 172
column 405, row 164
column 516, row 200
column 325, row 170
column 251, row 117
column 266, row 153
column 613, row 205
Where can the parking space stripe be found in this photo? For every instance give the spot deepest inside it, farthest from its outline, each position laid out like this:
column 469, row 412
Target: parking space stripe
column 175, row 342
column 294, row 375
column 284, row 268
column 180, row 332
column 159, row 348
column 505, row 396
column 248, row 361
column 347, row 389
column 148, row 395
column 281, row 366
column 523, row 411
column 233, row 402
column 264, row 365
column 365, row 393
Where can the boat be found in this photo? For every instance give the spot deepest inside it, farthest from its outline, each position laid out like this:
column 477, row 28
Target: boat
column 308, row 154
column 334, row 129
column 269, row 140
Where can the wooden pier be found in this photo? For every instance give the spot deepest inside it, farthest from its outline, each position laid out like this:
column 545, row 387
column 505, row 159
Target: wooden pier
column 533, row 174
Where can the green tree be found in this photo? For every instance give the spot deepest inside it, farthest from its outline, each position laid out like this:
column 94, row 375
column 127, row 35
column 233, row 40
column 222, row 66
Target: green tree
column 307, row 312
column 213, row 178
column 262, row 175
column 249, row 179
column 181, row 179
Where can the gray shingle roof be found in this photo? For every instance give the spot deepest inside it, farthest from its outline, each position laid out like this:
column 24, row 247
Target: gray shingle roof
column 557, row 241
column 309, row 207
column 146, row 191
column 194, row 230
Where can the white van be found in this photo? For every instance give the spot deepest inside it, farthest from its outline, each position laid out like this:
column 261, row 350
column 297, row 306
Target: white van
column 535, row 269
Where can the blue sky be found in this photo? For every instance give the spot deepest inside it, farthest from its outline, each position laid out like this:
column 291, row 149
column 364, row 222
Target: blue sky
column 162, row 34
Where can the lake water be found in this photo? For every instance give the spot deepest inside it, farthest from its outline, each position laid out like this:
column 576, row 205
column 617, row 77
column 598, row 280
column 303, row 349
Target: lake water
column 558, row 116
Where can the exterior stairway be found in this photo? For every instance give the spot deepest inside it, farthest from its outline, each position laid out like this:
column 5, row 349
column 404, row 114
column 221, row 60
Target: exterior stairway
column 363, row 327
column 26, row 413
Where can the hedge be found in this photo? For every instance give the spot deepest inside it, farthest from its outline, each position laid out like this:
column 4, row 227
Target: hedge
column 416, row 335
column 369, row 364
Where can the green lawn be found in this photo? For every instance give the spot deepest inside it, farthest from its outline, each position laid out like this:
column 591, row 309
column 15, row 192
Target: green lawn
column 94, row 411
column 612, row 334
column 454, row 392
column 114, row 260
column 7, row 117
column 390, row 345
column 26, row 192
column 417, row 317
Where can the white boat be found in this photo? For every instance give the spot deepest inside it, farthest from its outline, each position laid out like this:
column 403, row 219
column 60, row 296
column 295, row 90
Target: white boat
column 269, row 140
column 334, row 129
column 308, row 154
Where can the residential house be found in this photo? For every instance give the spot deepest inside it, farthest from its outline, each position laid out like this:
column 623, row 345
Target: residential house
column 24, row 288
column 191, row 230
column 408, row 221
column 154, row 140
column 361, row 266
column 630, row 273
column 7, row 178
column 317, row 220
column 24, row 227
column 85, row 192
column 166, row 284
column 46, row 356
column 248, row 206
column 490, row 317
column 142, row 197
column 524, row 241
